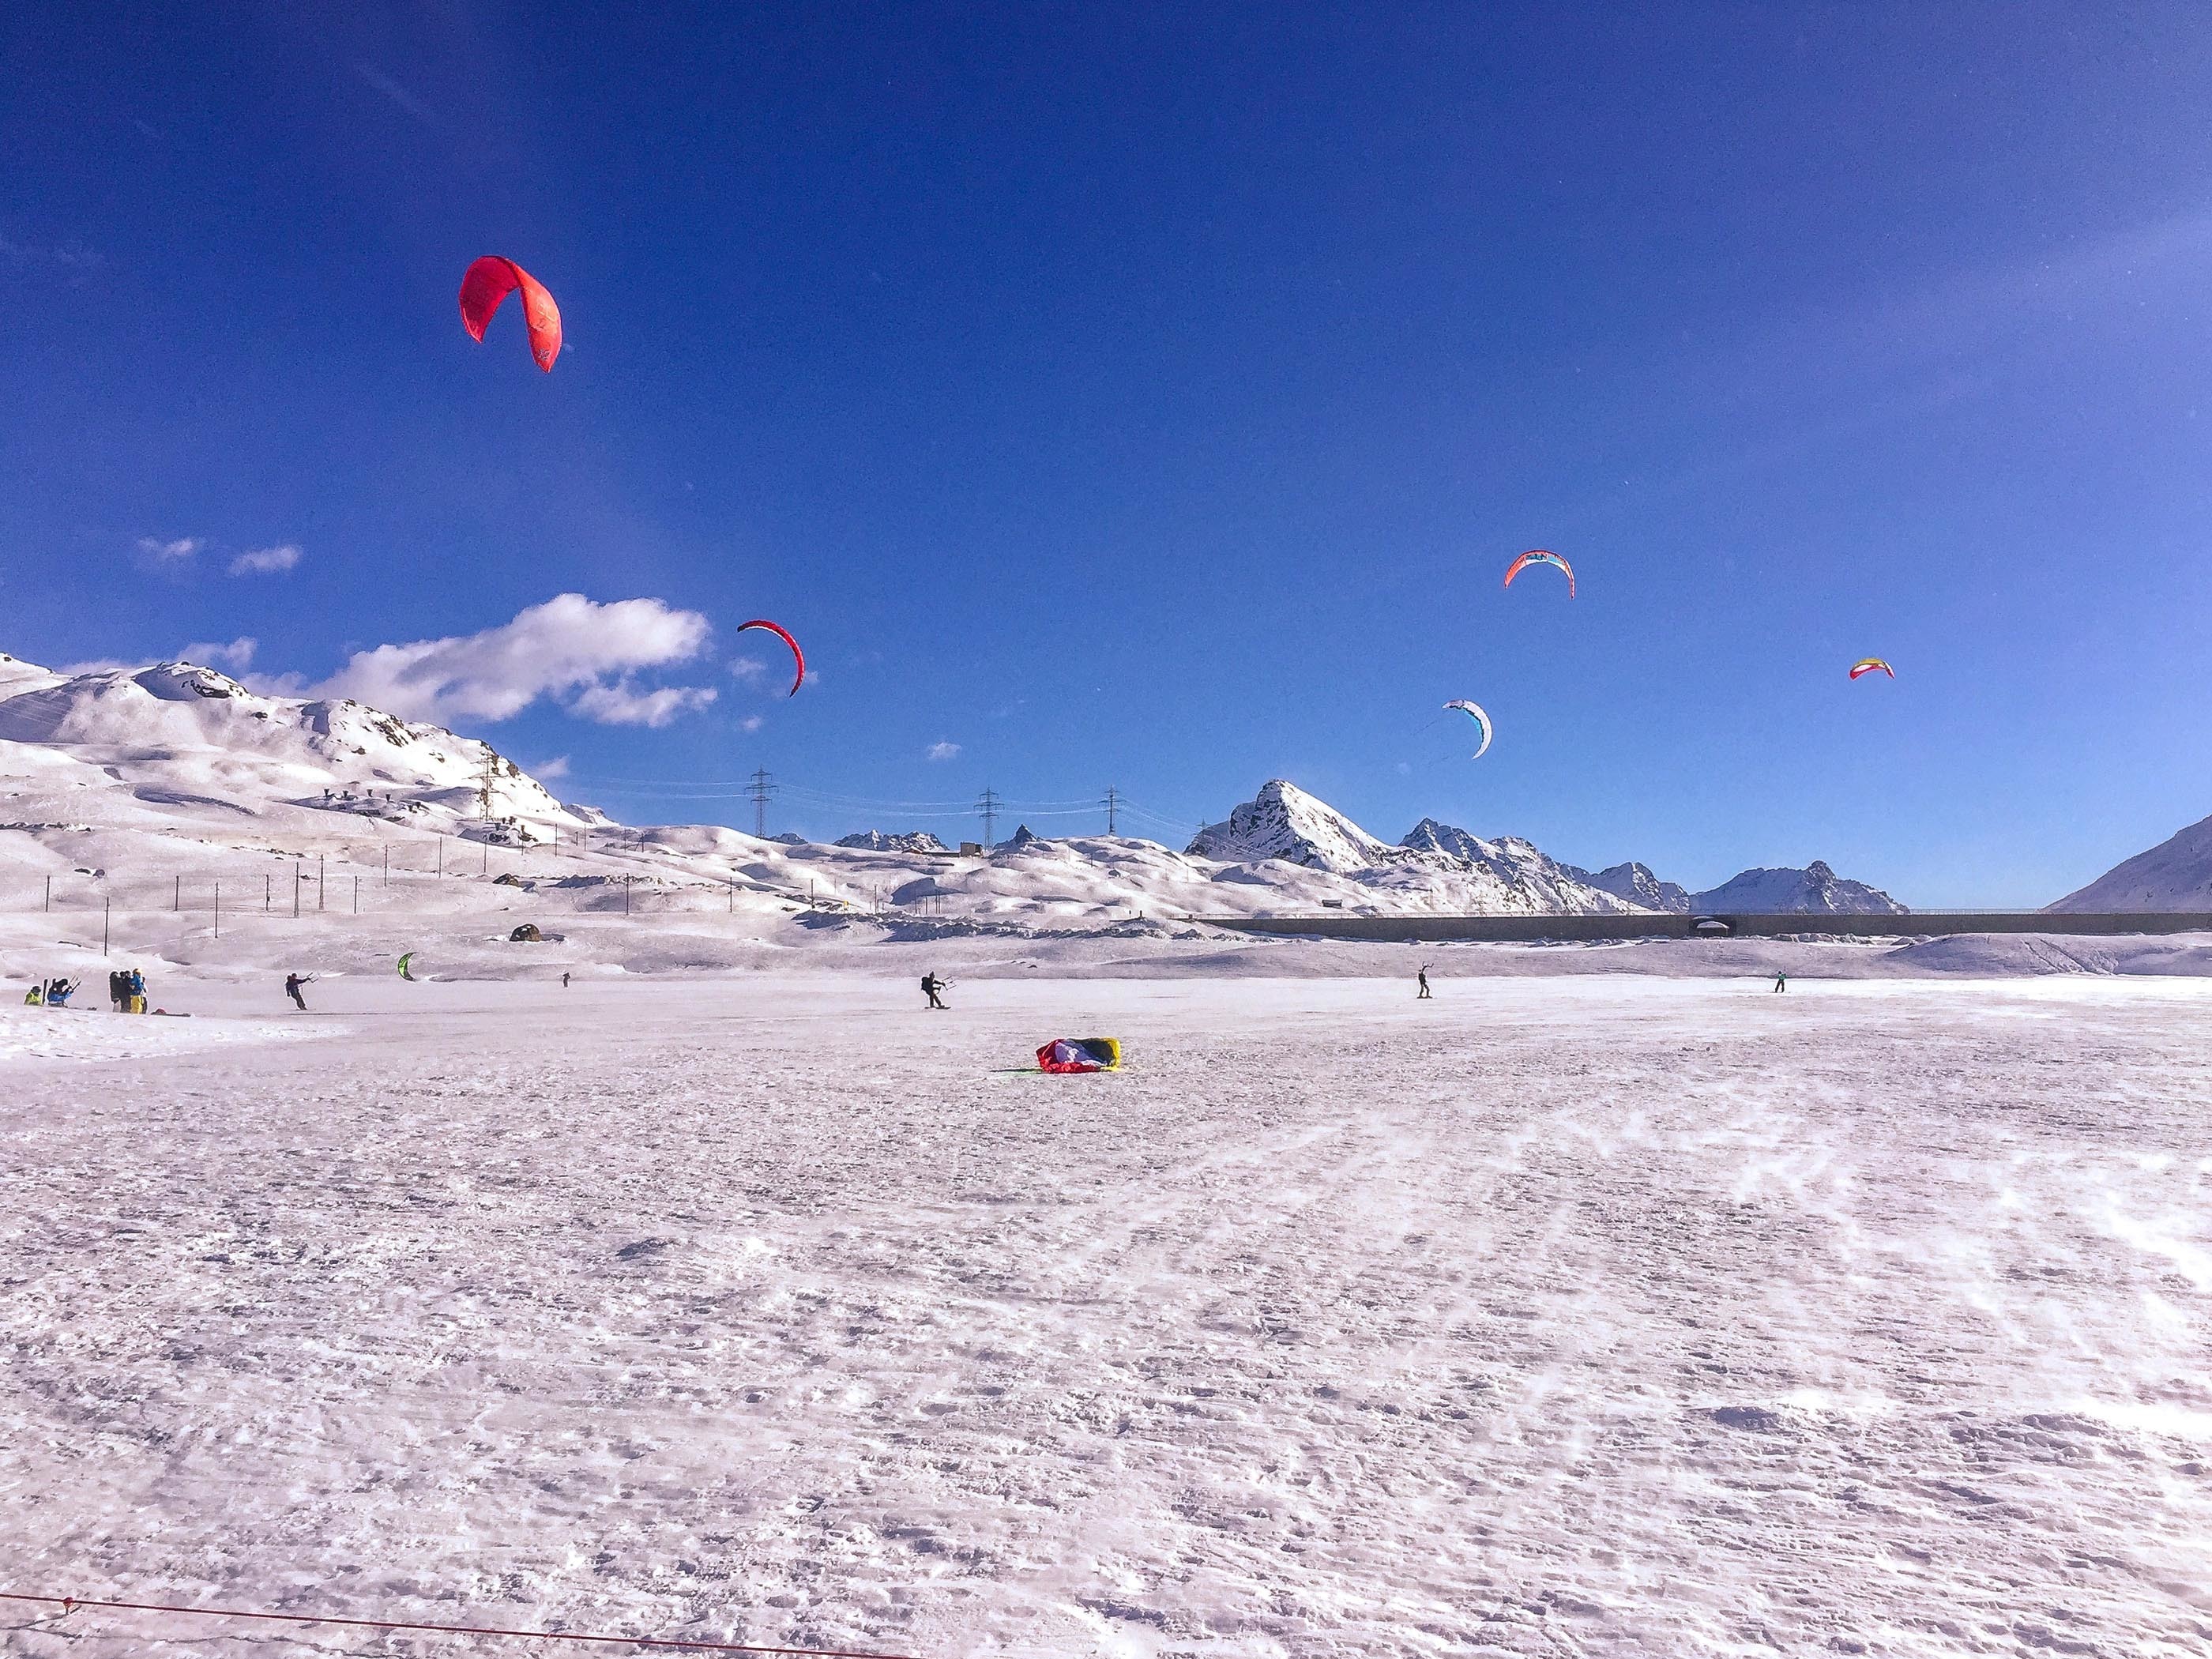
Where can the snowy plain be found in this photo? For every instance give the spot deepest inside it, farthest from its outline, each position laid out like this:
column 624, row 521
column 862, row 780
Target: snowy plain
column 1617, row 1315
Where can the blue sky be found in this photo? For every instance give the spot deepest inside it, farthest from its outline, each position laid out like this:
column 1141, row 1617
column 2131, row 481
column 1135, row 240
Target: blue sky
column 1154, row 396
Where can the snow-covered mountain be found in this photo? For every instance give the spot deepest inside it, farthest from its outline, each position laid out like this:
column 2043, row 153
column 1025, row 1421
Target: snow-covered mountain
column 1517, row 865
column 130, row 782
column 1635, row 883
column 876, row 841
column 1284, row 822
column 1815, row 889
column 2174, row 875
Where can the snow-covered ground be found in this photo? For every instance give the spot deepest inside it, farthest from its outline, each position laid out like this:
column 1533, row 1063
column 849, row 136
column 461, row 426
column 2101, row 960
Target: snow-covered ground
column 1579, row 1315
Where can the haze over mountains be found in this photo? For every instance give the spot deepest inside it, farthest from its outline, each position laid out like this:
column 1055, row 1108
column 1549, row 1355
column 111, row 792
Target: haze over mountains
column 175, row 768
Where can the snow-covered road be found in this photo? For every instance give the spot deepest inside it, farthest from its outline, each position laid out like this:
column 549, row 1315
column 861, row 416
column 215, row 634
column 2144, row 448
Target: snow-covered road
column 1575, row 1316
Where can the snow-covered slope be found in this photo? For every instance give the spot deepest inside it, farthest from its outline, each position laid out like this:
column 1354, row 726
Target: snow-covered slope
column 1635, row 883
column 2174, row 875
column 1284, row 822
column 1815, row 889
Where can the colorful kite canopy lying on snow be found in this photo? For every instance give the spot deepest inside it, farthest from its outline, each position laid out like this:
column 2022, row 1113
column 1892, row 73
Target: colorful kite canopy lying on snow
column 1482, row 722
column 797, row 656
column 1064, row 1054
column 1871, row 665
column 489, row 282
column 1538, row 555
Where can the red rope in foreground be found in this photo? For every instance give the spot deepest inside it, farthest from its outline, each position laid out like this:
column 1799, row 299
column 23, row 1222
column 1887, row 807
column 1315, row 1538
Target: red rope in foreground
column 70, row 1604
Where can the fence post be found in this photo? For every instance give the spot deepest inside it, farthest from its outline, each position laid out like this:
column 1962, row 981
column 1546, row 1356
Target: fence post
column 177, row 897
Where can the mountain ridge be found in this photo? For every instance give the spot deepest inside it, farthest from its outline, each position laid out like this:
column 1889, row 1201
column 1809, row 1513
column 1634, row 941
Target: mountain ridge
column 148, row 763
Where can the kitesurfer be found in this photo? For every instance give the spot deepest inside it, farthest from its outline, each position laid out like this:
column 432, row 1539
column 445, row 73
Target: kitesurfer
column 931, row 985
column 564, row 982
column 1781, row 983
column 293, row 983
column 1422, row 976
column 119, row 989
column 58, row 992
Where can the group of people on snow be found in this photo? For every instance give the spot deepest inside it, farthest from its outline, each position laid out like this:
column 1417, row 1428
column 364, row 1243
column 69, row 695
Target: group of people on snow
column 126, row 992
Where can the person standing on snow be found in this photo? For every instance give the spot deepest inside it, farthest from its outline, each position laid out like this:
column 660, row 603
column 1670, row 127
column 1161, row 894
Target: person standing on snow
column 293, row 983
column 119, row 989
column 1781, row 982
column 1422, row 976
column 931, row 985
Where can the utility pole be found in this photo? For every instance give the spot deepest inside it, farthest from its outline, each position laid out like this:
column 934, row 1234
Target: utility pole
column 763, row 786
column 987, row 804
column 267, row 885
column 356, row 896
column 388, row 864
column 318, row 881
column 218, row 910
column 49, row 892
column 1113, row 805
column 297, row 872
column 104, row 905
column 177, row 895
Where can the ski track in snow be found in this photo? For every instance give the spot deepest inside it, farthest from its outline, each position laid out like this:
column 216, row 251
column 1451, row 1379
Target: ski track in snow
column 1563, row 1317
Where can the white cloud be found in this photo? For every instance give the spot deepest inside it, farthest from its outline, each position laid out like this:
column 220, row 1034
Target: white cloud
column 752, row 723
column 941, row 752
column 235, row 656
column 569, row 648
column 265, row 561
column 556, row 768
column 748, row 669
column 182, row 548
column 623, row 704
